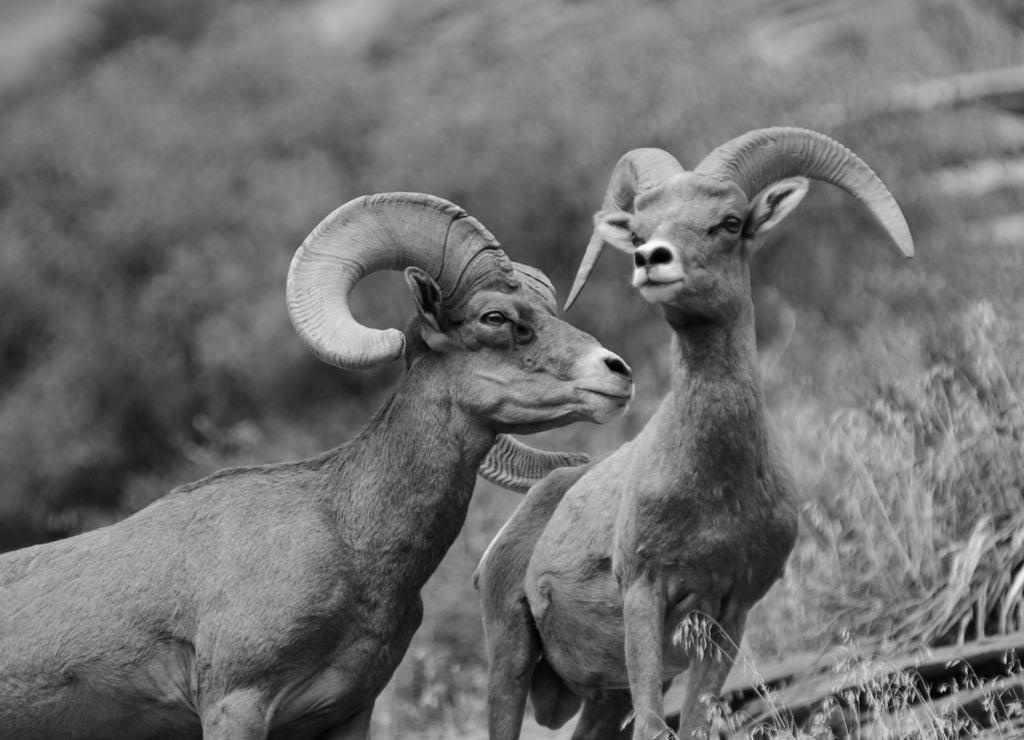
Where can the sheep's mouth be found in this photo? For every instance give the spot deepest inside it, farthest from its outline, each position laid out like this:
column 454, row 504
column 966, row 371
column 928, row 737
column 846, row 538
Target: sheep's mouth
column 657, row 290
column 618, row 395
column 651, row 282
column 659, row 274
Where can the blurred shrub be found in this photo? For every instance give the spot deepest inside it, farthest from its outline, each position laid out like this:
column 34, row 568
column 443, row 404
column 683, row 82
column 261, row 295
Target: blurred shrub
column 915, row 504
column 1011, row 10
column 145, row 259
column 122, row 22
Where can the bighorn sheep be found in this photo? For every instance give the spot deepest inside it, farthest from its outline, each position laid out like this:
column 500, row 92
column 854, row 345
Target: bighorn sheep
column 277, row 600
column 590, row 580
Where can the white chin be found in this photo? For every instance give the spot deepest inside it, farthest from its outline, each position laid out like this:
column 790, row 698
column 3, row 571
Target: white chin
column 657, row 292
column 608, row 411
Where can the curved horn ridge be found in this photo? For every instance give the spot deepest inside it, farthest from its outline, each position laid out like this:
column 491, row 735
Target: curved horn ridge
column 516, row 466
column 388, row 231
column 636, row 171
column 758, row 158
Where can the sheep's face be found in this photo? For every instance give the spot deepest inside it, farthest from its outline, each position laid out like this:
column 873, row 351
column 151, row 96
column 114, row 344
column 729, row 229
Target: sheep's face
column 691, row 237
column 513, row 363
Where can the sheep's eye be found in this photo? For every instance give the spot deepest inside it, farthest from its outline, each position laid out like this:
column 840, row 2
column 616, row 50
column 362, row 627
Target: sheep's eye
column 732, row 224
column 494, row 318
column 522, row 333
column 637, row 241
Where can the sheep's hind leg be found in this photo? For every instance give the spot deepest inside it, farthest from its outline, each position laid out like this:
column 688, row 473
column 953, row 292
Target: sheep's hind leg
column 513, row 650
column 356, row 728
column 553, row 702
column 513, row 644
column 604, row 717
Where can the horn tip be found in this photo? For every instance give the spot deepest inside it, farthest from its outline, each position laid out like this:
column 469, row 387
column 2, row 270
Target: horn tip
column 904, row 242
column 573, row 295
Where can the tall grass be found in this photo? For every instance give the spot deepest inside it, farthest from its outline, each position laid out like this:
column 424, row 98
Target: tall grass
column 913, row 522
column 877, row 699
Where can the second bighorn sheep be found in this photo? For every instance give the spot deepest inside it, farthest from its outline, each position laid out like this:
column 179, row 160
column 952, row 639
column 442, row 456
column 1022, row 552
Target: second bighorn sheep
column 586, row 588
column 276, row 601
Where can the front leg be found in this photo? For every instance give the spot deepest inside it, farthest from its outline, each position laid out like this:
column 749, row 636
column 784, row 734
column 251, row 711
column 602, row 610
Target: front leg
column 237, row 716
column 643, row 613
column 705, row 678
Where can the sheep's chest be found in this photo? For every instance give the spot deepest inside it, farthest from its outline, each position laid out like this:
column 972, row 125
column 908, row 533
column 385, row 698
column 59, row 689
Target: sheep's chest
column 725, row 528
column 721, row 554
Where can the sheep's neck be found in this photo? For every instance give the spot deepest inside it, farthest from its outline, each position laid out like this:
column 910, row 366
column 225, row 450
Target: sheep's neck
column 716, row 412
column 726, row 351
column 419, row 456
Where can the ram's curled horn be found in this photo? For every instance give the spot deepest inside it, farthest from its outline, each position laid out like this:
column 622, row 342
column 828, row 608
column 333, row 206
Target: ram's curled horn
column 517, row 467
column 758, row 158
column 389, row 231
column 638, row 170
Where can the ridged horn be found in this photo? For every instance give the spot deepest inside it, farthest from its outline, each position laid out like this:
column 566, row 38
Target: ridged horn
column 536, row 282
column 388, row 231
column 517, row 466
column 760, row 157
column 638, row 170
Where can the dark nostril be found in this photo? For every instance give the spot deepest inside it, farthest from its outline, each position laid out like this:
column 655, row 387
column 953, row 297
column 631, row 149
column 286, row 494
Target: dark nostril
column 639, row 259
column 617, row 366
column 661, row 256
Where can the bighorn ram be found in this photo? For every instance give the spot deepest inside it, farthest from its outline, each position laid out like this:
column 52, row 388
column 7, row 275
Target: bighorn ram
column 277, row 600
column 587, row 585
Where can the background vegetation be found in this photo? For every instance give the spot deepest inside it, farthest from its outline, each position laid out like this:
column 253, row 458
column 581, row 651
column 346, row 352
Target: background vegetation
column 160, row 161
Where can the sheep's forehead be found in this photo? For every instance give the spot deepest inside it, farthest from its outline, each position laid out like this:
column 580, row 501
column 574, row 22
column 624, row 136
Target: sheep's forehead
column 529, row 288
column 535, row 286
column 691, row 199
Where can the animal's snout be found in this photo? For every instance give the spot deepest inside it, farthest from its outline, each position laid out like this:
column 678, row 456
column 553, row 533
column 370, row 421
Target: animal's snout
column 617, row 365
column 650, row 255
column 657, row 262
column 607, row 382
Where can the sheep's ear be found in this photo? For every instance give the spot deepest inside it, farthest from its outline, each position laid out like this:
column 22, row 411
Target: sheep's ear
column 429, row 305
column 773, row 204
column 616, row 228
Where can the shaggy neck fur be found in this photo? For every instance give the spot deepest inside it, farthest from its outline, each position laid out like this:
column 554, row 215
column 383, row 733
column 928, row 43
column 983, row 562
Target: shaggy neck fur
column 420, row 452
